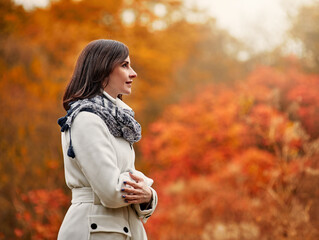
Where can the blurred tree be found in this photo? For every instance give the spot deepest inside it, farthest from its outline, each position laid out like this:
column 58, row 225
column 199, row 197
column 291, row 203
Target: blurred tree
column 302, row 40
column 305, row 30
column 232, row 144
column 236, row 162
column 37, row 54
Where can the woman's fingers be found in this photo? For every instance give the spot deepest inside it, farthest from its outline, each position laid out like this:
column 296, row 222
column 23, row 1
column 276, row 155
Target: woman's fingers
column 133, row 184
column 131, row 190
column 135, row 201
column 130, row 198
column 139, row 193
column 132, row 195
column 134, row 198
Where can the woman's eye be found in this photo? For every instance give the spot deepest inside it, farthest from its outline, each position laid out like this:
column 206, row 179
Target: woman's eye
column 125, row 65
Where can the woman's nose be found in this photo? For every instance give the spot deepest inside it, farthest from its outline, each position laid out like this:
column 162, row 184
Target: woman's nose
column 133, row 74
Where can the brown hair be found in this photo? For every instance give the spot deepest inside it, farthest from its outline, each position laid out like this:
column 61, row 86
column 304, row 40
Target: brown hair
column 95, row 63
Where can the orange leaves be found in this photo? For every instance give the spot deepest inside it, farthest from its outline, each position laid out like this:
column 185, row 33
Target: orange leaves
column 231, row 154
column 293, row 91
column 221, row 160
column 39, row 49
column 18, row 232
column 190, row 134
column 41, row 214
column 255, row 168
column 267, row 124
column 305, row 95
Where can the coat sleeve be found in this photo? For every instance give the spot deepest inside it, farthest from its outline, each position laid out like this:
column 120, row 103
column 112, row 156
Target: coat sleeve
column 97, row 159
column 142, row 211
column 144, row 214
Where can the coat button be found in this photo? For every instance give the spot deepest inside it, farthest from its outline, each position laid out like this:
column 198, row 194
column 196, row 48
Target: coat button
column 93, row 226
column 125, row 229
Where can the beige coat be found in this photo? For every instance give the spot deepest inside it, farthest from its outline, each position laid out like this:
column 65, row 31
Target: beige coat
column 96, row 176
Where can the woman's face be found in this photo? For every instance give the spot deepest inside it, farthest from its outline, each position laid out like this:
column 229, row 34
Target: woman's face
column 120, row 80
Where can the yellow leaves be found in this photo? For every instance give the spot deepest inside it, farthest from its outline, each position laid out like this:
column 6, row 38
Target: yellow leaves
column 177, row 187
column 245, row 103
column 256, row 166
column 37, row 68
column 232, row 230
column 212, row 155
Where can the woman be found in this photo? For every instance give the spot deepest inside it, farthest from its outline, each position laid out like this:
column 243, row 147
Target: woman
column 109, row 197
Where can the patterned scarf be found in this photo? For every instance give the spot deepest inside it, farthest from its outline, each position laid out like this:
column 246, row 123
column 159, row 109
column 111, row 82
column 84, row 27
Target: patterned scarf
column 120, row 121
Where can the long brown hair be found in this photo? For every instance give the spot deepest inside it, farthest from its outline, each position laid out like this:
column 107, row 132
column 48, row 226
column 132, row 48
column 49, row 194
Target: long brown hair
column 95, row 63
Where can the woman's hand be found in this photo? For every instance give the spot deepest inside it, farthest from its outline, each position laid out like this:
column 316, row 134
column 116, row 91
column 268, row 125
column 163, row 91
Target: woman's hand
column 139, row 193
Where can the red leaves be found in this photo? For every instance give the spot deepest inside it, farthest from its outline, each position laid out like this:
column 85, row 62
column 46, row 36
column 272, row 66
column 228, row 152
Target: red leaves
column 40, row 214
column 235, row 154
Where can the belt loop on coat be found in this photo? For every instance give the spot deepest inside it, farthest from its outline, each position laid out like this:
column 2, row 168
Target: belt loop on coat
column 85, row 195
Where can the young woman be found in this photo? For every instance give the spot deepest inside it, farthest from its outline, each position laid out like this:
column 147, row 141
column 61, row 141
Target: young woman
column 109, row 197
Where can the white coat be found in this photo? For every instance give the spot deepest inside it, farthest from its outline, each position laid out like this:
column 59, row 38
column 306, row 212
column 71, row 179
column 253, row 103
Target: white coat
column 96, row 176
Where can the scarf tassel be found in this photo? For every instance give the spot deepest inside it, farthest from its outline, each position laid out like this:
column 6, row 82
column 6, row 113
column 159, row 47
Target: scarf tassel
column 64, row 127
column 62, row 123
column 70, row 150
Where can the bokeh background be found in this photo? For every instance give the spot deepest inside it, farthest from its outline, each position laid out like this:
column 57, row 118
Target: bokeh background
column 227, row 94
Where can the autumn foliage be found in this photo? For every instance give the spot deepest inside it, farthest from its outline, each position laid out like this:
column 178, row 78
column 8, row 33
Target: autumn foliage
column 239, row 162
column 40, row 213
column 233, row 148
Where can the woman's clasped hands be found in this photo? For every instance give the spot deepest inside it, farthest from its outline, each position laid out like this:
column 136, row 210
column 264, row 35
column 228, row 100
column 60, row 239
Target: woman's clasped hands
column 137, row 191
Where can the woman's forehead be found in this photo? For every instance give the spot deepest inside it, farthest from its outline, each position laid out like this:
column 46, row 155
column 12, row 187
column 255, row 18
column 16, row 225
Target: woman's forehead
column 128, row 59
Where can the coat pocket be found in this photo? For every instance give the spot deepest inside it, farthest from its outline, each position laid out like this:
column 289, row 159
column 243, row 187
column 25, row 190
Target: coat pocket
column 108, row 227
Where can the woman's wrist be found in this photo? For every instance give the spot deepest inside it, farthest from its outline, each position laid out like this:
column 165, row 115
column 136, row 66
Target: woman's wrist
column 146, row 205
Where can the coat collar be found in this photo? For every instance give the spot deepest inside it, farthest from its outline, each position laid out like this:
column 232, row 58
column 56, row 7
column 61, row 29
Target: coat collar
column 118, row 102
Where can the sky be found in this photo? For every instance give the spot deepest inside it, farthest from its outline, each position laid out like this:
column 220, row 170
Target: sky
column 28, row 4
column 261, row 24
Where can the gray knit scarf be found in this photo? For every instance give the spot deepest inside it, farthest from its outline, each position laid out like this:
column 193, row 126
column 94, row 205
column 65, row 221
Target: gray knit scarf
column 120, row 121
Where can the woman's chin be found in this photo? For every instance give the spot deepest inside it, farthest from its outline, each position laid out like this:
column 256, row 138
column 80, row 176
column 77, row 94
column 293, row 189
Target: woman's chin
column 127, row 92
